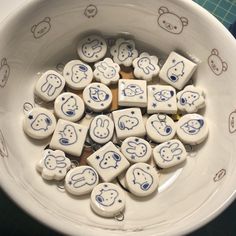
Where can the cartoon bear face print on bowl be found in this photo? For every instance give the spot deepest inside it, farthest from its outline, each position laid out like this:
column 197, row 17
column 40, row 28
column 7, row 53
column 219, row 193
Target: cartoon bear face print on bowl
column 108, row 161
column 81, row 180
column 77, row 74
column 41, row 28
column 107, row 200
column 142, row 179
column 69, row 106
column 4, row 72
column 170, row 21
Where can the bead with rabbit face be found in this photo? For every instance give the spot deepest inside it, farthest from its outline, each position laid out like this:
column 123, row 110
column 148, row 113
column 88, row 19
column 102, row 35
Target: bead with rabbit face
column 92, row 48
column 136, row 149
column 108, row 161
column 81, row 180
column 107, row 200
column 101, row 129
column 69, row 106
column 53, row 165
column 142, row 179
column 106, row 71
column 169, row 154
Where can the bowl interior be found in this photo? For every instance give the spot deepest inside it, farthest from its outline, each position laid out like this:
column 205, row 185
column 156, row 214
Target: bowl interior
column 44, row 35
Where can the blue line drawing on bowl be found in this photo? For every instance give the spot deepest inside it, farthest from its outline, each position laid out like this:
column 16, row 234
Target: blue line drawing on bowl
column 68, row 135
column 136, row 148
column 4, row 72
column 107, row 197
column 40, row 122
column 232, row 122
column 110, row 159
column 98, row 95
column 51, row 84
column 41, row 28
column 219, row 175
column 132, row 90
column 163, row 95
column 193, row 126
column 170, row 151
column 127, row 122
column 3, row 146
column 69, row 106
column 101, row 130
column 175, row 71
column 161, row 126
column 142, row 178
column 86, row 177
column 146, row 65
column 90, row 11
column 170, row 21
column 79, row 73
column 216, row 63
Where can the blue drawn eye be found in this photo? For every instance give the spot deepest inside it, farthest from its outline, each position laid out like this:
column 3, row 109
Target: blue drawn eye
column 183, row 101
column 48, row 121
column 173, row 78
column 63, row 141
column 201, row 122
column 99, row 199
column 172, row 93
column 83, row 68
column 106, row 97
column 116, row 157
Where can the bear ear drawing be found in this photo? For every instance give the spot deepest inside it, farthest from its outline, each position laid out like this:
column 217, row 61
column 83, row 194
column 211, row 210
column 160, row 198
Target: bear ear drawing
column 163, row 10
column 214, row 51
column 184, row 21
column 47, row 19
column 33, row 28
column 3, row 61
column 225, row 66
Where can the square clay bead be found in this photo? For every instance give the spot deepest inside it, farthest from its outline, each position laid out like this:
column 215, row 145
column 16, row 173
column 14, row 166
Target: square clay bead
column 108, row 161
column 129, row 122
column 132, row 93
column 161, row 99
column 69, row 137
column 177, row 70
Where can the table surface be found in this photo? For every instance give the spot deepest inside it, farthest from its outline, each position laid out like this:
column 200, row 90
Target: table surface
column 14, row 221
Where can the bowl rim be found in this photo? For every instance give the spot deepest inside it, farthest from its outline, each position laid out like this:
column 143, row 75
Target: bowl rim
column 50, row 222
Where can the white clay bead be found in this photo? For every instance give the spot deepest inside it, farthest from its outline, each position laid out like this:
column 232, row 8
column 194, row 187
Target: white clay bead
column 129, row 122
column 92, row 48
column 69, row 106
column 190, row 99
column 39, row 123
column 132, row 93
column 107, row 200
column 81, row 180
column 169, row 154
column 142, row 179
column 106, row 71
column 53, row 165
column 49, row 85
column 97, row 97
column 69, row 137
column 192, row 129
column 146, row 66
column 136, row 149
column 101, row 129
column 108, row 161
column 124, row 52
column 160, row 128
column 161, row 99
column 77, row 74
column 177, row 70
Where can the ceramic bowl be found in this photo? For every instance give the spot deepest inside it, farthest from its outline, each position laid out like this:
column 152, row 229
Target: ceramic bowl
column 43, row 34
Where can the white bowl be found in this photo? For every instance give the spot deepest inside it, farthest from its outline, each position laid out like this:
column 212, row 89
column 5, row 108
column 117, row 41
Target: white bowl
column 41, row 34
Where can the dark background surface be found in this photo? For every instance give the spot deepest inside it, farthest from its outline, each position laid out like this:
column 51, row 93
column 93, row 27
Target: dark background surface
column 14, row 221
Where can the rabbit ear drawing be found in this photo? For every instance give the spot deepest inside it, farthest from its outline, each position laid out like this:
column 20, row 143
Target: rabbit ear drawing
column 60, row 158
column 99, row 122
column 132, row 144
column 106, row 123
column 61, row 164
column 174, row 146
column 176, row 152
column 130, row 150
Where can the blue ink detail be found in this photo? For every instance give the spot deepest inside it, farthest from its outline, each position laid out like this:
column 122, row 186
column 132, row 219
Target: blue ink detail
column 98, row 95
column 51, row 84
column 87, row 177
column 192, row 127
column 101, row 130
column 145, row 65
column 110, row 160
column 41, row 122
column 170, row 151
column 52, row 162
column 125, row 50
column 143, row 178
column 132, row 90
column 91, row 48
column 161, row 126
column 4, row 72
column 68, row 135
column 127, row 122
column 175, row 71
column 90, row 11
column 189, row 98
column 79, row 73
column 163, row 95
column 107, row 197
column 69, row 107
column 137, row 149
column 3, row 146
column 107, row 71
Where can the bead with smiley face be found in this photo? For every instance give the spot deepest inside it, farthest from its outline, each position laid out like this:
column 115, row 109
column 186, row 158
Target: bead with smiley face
column 69, row 106
column 107, row 200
